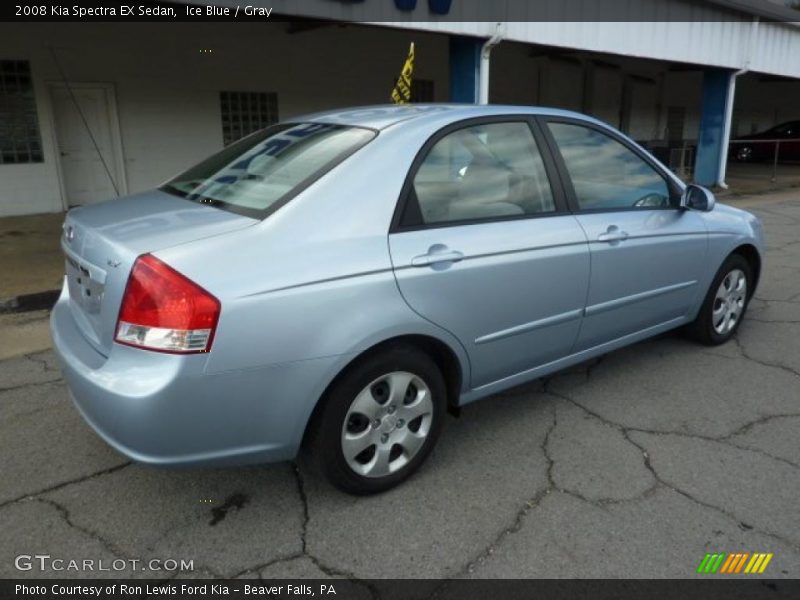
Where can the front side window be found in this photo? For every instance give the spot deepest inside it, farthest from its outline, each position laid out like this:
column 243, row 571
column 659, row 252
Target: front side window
column 483, row 172
column 254, row 176
column 605, row 174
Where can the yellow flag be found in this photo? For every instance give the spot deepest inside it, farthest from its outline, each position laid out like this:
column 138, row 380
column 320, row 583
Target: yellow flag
column 401, row 94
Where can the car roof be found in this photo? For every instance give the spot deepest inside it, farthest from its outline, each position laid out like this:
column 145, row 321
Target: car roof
column 382, row 116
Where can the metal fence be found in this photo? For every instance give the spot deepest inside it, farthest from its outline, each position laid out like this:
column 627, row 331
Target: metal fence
column 752, row 164
column 679, row 158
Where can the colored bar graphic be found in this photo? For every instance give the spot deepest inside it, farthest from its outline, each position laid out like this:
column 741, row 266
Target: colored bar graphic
column 730, row 563
column 703, row 563
column 734, row 563
column 740, row 564
column 730, row 566
column 754, row 562
column 727, row 564
column 764, row 564
column 702, row 566
column 711, row 563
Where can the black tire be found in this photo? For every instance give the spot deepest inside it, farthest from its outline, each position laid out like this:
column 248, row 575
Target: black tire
column 702, row 328
column 324, row 443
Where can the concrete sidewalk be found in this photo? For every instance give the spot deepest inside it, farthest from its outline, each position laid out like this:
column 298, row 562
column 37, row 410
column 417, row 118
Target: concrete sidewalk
column 30, row 257
column 757, row 178
column 24, row 333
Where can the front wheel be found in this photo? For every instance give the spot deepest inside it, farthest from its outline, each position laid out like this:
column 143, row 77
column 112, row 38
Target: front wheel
column 379, row 421
column 725, row 303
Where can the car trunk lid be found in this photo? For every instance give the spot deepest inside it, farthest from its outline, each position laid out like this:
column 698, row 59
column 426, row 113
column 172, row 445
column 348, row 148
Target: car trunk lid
column 101, row 244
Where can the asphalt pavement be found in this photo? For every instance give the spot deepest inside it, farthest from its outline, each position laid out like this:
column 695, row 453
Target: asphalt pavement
column 634, row 465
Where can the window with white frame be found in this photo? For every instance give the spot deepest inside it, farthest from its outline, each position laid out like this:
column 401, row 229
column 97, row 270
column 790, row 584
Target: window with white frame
column 20, row 141
column 246, row 112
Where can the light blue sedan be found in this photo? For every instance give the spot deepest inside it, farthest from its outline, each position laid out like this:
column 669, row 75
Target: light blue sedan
column 340, row 281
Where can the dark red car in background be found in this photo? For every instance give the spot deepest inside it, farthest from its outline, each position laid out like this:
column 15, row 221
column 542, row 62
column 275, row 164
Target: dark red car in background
column 762, row 146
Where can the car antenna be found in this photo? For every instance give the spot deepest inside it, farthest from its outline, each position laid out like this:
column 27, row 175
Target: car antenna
column 83, row 118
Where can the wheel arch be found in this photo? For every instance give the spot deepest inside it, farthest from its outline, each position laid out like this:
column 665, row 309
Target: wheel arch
column 753, row 258
column 439, row 351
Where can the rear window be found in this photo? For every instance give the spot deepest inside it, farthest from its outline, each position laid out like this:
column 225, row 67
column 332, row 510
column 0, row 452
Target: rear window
column 260, row 173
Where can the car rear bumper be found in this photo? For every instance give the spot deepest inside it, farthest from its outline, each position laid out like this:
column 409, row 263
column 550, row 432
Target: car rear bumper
column 165, row 409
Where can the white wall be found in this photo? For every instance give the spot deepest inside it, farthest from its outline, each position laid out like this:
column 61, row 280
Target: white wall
column 167, row 91
column 33, row 187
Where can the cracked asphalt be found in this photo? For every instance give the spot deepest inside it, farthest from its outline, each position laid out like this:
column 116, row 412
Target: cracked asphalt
column 634, row 465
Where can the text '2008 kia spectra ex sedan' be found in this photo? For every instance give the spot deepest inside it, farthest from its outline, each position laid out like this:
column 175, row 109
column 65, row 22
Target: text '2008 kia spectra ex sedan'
column 339, row 281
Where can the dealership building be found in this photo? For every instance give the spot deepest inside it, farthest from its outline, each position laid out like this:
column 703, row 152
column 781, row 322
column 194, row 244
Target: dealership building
column 92, row 110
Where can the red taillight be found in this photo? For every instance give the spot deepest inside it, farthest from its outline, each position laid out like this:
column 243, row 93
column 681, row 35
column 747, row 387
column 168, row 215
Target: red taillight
column 163, row 310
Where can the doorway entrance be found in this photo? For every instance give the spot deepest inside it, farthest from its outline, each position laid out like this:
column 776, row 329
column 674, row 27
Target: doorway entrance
column 87, row 142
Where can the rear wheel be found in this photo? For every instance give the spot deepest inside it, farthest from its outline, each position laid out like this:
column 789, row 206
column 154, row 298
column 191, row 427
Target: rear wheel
column 379, row 421
column 725, row 303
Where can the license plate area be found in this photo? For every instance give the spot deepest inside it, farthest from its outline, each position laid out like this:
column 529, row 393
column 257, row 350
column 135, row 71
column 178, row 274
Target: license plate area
column 85, row 291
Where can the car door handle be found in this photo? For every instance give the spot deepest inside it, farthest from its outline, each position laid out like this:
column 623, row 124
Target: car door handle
column 435, row 256
column 613, row 234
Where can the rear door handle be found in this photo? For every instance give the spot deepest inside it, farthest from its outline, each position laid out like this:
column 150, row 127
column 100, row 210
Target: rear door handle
column 613, row 234
column 436, row 254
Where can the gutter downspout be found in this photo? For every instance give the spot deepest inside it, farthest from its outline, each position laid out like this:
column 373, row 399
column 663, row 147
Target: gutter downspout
column 726, row 130
column 486, row 51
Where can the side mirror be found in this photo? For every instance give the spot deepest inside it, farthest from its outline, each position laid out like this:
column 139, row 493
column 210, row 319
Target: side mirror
column 696, row 197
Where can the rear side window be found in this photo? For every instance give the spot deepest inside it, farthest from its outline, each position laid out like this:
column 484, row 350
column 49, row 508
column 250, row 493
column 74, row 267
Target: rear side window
column 261, row 172
column 605, row 174
column 487, row 171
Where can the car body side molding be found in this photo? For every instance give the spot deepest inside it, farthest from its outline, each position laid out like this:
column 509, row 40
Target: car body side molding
column 570, row 315
column 617, row 302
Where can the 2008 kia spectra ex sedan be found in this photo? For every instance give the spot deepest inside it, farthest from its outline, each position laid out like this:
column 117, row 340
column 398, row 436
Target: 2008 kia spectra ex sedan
column 340, row 281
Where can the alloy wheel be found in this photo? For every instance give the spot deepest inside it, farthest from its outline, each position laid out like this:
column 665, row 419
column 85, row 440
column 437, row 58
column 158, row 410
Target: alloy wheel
column 728, row 305
column 387, row 424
